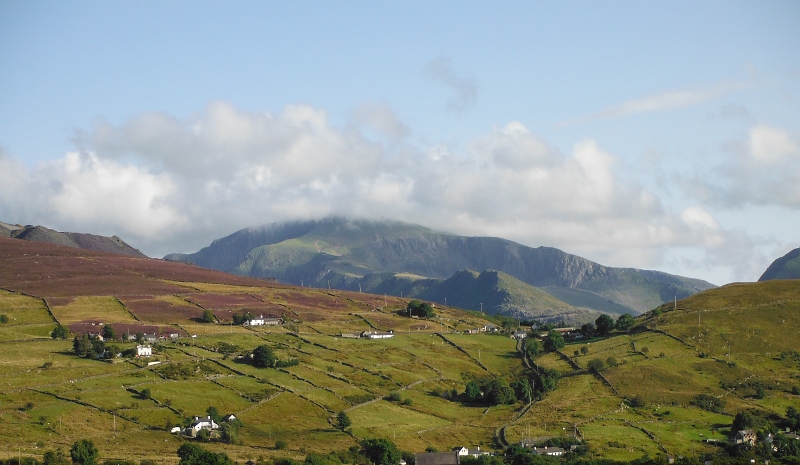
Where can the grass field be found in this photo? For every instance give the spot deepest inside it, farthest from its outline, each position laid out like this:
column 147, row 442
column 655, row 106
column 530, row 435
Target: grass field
column 50, row 398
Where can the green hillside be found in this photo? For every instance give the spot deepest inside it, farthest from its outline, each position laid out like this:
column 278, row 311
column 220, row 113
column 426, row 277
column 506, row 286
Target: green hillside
column 648, row 396
column 786, row 267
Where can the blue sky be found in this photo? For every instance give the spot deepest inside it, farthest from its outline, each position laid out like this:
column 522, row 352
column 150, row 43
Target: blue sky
column 660, row 135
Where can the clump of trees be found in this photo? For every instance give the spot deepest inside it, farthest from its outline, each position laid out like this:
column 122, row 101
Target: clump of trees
column 264, row 357
column 240, row 319
column 498, row 391
column 554, row 341
column 420, row 309
column 192, row 454
column 60, row 332
column 92, row 347
column 709, row 402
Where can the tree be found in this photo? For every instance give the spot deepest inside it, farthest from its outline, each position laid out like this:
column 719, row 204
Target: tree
column 343, row 421
column 596, row 365
column 208, row 316
column 588, row 329
column 553, row 341
column 499, row 392
column 420, row 309
column 81, row 345
column 60, row 332
column 3, row 318
column 57, row 457
column 743, row 420
column 612, row 361
column 584, row 350
column 145, row 393
column 624, row 322
column 214, row 414
column 381, row 451
column 473, row 391
column 108, row 332
column 84, row 452
column 263, row 357
column 604, row 324
column 547, row 380
column 192, row 454
column 523, row 390
column 532, row 347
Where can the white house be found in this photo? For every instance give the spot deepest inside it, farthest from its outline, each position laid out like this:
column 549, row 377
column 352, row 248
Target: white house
column 203, row 423
column 553, row 451
column 144, row 351
column 463, row 451
column 376, row 335
column 255, row 321
column 519, row 335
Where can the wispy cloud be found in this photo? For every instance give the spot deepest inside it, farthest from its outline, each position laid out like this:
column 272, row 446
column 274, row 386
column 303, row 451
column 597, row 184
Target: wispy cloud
column 441, row 69
column 663, row 101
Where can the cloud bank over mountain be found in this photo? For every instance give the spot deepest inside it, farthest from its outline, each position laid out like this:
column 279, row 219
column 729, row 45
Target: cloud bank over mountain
column 169, row 184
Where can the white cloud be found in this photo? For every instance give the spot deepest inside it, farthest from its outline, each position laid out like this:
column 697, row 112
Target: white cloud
column 380, row 118
column 169, row 185
column 771, row 145
column 762, row 170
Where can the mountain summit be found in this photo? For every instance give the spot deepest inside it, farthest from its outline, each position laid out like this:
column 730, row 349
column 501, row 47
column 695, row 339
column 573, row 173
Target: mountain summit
column 786, row 267
column 479, row 273
column 94, row 242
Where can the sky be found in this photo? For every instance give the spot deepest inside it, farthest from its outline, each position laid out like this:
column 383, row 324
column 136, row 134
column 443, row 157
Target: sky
column 649, row 134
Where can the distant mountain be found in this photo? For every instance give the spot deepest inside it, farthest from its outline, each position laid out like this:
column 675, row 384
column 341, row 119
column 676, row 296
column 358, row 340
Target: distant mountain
column 112, row 244
column 386, row 257
column 786, row 267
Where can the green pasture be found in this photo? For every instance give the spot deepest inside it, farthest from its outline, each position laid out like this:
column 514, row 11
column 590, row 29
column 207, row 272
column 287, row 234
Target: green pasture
column 23, row 310
column 388, row 420
column 106, row 309
column 615, row 440
column 552, row 361
column 498, row 353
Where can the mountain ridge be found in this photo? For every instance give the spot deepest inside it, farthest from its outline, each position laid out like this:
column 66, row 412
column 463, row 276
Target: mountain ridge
column 353, row 254
column 786, row 267
column 112, row 244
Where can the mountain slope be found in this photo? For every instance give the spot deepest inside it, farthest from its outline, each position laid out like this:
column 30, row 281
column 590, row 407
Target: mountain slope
column 786, row 267
column 94, row 242
column 335, row 252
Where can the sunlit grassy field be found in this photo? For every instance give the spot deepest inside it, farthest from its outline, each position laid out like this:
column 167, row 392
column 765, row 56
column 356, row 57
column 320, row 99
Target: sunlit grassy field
column 49, row 397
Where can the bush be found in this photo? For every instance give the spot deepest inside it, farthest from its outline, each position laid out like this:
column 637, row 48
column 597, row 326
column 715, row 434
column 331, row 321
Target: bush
column 554, row 341
column 208, row 316
column 263, row 357
column 708, row 402
column 280, row 444
column 596, row 365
